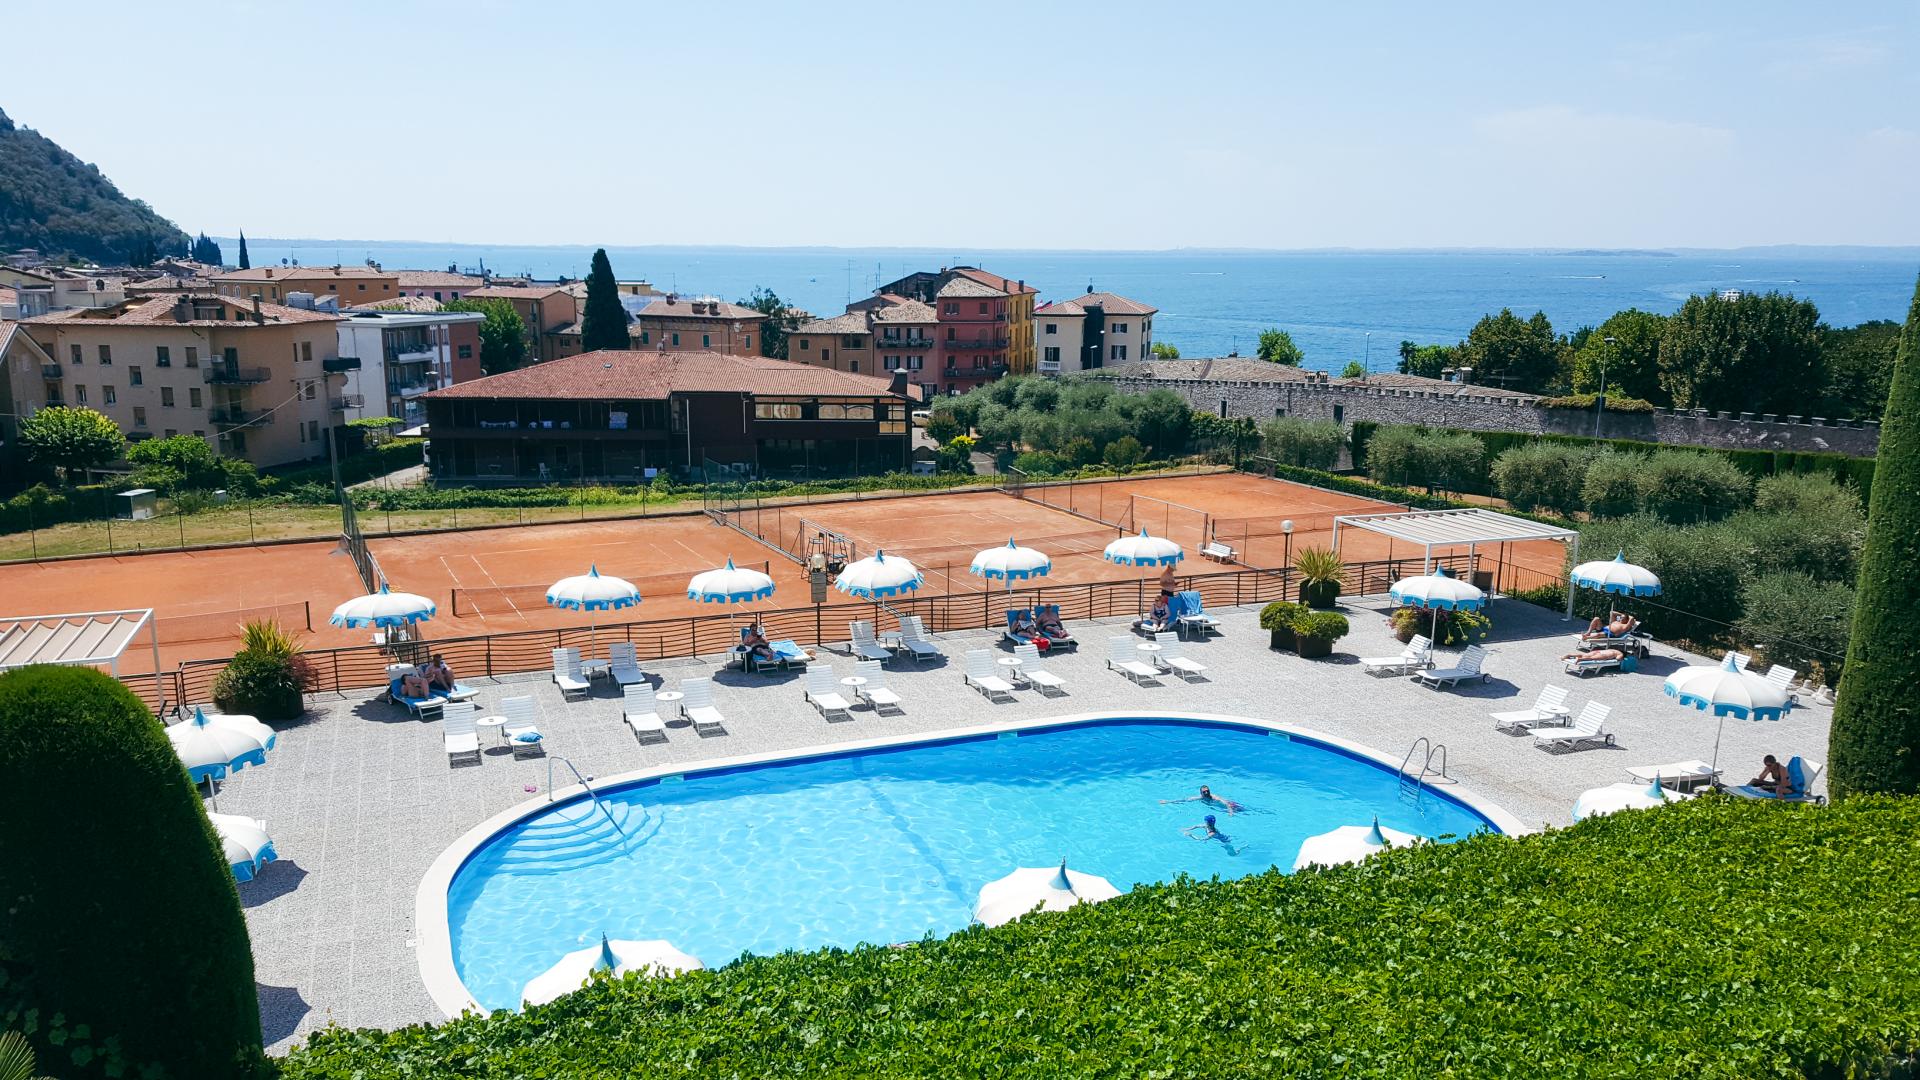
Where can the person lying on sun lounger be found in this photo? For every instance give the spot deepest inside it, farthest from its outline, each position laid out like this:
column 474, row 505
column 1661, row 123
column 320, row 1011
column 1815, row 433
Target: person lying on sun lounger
column 756, row 643
column 1618, row 625
column 1050, row 626
column 414, row 685
column 1023, row 625
column 438, row 673
column 1207, row 796
column 1596, row 654
column 1773, row 776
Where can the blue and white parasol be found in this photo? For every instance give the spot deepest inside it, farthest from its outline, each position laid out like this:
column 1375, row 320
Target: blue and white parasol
column 1624, row 796
column 246, row 843
column 616, row 958
column 385, row 608
column 729, row 585
column 213, row 746
column 1617, row 575
column 879, row 575
column 1144, row 550
column 592, row 592
column 1438, row 590
column 1010, row 563
column 1727, row 690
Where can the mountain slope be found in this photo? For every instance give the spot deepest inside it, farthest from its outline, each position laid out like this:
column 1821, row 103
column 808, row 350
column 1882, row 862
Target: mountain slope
column 61, row 205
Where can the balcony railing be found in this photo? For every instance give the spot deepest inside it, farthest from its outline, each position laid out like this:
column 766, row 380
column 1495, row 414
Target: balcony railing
column 903, row 343
column 408, row 390
column 232, row 417
column 340, row 363
column 52, row 371
column 409, row 354
column 234, row 375
column 1049, row 367
column 347, row 401
column 995, row 343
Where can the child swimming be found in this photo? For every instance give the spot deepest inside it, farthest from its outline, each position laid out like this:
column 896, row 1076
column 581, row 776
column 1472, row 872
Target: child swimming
column 1207, row 796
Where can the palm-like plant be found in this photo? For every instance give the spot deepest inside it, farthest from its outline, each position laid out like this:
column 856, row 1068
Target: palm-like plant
column 16, row 1058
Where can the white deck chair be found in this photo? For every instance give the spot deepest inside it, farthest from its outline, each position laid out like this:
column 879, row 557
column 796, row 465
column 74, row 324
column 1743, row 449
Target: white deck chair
column 1417, row 654
column 980, row 675
column 1467, row 667
column 824, row 694
column 865, row 645
column 521, row 731
column 642, row 712
column 624, row 664
column 913, row 638
column 1547, row 709
column 1782, row 676
column 1049, row 684
column 698, row 704
column 567, row 675
column 1679, row 775
column 1742, row 660
column 457, row 728
column 876, row 692
column 1124, row 658
column 1172, row 659
column 1584, row 729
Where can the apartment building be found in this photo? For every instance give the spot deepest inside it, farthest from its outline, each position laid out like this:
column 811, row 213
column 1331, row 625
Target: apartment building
column 441, row 285
column 38, row 292
column 843, row 343
column 546, row 309
column 352, row 286
column 985, row 322
column 1093, row 331
column 390, row 359
column 677, row 323
column 252, row 378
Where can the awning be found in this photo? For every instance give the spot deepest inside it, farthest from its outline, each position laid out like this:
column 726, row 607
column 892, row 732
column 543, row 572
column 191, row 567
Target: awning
column 1468, row 527
column 79, row 638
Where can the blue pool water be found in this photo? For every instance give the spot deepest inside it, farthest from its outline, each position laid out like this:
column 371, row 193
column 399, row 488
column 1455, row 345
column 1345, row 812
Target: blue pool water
column 891, row 845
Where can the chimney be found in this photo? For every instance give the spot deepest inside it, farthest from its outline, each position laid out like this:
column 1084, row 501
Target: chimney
column 269, row 271
column 182, row 310
column 897, row 385
column 259, row 319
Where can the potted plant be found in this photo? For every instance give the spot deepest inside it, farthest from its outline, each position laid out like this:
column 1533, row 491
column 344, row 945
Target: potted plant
column 1316, row 631
column 266, row 677
column 1320, row 571
column 1277, row 619
column 1406, row 622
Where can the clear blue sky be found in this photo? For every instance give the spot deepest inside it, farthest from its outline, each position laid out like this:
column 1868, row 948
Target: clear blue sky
column 987, row 125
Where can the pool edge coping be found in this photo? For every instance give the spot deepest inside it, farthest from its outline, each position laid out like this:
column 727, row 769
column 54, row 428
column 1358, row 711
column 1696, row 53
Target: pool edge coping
column 433, row 935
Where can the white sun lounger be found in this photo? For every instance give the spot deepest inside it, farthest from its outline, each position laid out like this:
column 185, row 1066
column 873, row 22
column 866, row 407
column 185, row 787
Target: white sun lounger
column 623, row 663
column 698, row 704
column 1801, row 774
column 520, row 730
column 1782, row 676
column 1548, row 708
column 1584, row 729
column 865, row 645
column 875, row 690
column 981, row 676
column 824, row 694
column 567, row 675
column 1418, row 654
column 457, row 729
column 1049, row 684
column 913, row 638
column 642, row 712
column 1679, row 775
column 1172, row 659
column 1123, row 658
column 1468, row 667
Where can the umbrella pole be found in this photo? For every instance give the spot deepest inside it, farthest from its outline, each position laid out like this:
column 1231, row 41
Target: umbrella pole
column 212, row 796
column 1717, row 732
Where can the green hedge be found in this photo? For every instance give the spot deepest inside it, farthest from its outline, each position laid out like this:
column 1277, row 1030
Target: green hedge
column 122, row 946
column 1714, row 938
column 1755, row 463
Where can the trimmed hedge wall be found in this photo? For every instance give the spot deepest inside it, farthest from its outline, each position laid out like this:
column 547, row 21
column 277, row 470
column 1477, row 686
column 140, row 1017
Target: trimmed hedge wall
column 122, row 946
column 1755, row 463
column 1714, row 938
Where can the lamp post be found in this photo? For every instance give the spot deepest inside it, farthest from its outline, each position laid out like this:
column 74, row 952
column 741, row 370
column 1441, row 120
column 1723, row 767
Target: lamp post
column 1369, row 360
column 1600, row 401
column 1286, row 530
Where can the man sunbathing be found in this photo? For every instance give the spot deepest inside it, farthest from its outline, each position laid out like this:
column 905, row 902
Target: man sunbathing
column 1023, row 625
column 1773, row 776
column 438, row 673
column 1596, row 654
column 414, row 685
column 1619, row 625
column 1050, row 625
column 756, row 643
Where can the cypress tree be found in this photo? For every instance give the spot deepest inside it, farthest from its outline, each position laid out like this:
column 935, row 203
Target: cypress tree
column 244, row 264
column 1875, row 740
column 603, row 324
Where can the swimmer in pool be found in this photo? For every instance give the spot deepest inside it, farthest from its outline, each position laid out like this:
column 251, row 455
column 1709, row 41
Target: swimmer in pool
column 1207, row 830
column 1207, row 796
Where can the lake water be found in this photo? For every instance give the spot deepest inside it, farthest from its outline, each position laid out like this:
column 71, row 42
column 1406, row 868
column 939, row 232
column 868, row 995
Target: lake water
column 1215, row 303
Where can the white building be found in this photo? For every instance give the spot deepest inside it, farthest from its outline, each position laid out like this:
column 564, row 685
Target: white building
column 1092, row 331
column 391, row 358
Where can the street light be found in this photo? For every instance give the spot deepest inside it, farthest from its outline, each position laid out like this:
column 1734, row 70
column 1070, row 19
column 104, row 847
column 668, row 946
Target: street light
column 1369, row 361
column 1600, row 401
column 1286, row 530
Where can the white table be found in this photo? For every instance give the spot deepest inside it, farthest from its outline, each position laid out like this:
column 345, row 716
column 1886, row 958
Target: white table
column 855, row 681
column 1012, row 664
column 497, row 723
column 1148, row 646
column 595, row 668
column 1010, row 661
column 671, row 699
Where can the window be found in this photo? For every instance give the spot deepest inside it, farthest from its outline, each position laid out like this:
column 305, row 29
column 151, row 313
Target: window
column 644, row 335
column 313, row 430
column 309, row 391
column 300, row 431
column 193, row 356
column 747, row 342
column 805, row 344
column 1279, row 413
column 79, row 395
column 230, row 354
column 852, row 341
column 1223, row 408
column 331, row 287
column 166, row 397
column 706, row 341
column 108, row 397
column 171, row 432
column 76, row 354
column 953, row 307
column 983, row 307
column 1119, row 328
column 363, row 288
column 1051, row 354
column 199, row 433
column 1053, row 328
column 162, row 356
column 1339, row 413
column 950, row 334
column 193, row 399
column 853, row 366
column 133, row 376
column 915, row 362
column 1118, row 352
column 778, row 410
column 466, row 351
column 676, row 339
column 106, row 354
column 826, row 356
column 306, row 351
column 139, row 416
column 436, row 296
column 890, row 333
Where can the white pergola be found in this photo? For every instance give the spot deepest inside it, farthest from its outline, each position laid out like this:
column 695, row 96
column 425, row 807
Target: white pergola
column 90, row 638
column 1469, row 528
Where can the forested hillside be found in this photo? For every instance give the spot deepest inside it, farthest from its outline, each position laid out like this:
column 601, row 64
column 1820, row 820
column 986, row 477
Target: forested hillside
column 61, row 205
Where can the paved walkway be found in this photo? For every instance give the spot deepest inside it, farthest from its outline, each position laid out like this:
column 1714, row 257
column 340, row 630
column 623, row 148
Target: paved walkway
column 360, row 798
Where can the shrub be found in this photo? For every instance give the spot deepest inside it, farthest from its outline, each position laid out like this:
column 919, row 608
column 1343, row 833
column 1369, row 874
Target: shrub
column 1825, row 546
column 1807, row 495
column 1328, row 626
column 1451, row 461
column 266, row 678
column 121, row 913
column 1040, row 463
column 1080, row 451
column 1393, row 456
column 1584, row 403
column 1308, row 444
column 1542, row 476
column 1611, row 487
column 1797, row 621
column 1123, row 452
column 1281, row 615
column 1679, row 485
column 941, row 426
column 1307, row 974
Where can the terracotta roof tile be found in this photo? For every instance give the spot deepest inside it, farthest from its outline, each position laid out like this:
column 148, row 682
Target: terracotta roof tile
column 906, row 311
column 282, row 273
column 158, row 311
column 435, row 279
column 515, row 292
column 993, row 280
column 961, row 285
column 682, row 308
column 853, row 322
column 643, row 374
column 423, row 304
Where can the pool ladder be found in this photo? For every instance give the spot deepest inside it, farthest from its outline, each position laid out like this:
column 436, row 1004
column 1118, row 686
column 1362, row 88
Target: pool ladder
column 591, row 794
column 1412, row 783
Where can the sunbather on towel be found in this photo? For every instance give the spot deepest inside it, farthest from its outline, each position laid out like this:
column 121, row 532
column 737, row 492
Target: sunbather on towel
column 756, row 643
column 438, row 673
column 1207, row 796
column 1160, row 616
column 1619, row 625
column 414, row 685
column 1023, row 626
column 1773, row 776
column 1049, row 624
column 1596, row 654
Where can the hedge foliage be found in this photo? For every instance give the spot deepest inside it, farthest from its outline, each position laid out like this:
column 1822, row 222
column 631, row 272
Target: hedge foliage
column 1857, row 472
column 1437, row 460
column 121, row 915
column 1711, row 939
column 1876, row 724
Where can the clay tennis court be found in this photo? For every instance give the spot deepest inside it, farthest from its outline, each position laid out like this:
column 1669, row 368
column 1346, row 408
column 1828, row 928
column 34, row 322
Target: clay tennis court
column 490, row 581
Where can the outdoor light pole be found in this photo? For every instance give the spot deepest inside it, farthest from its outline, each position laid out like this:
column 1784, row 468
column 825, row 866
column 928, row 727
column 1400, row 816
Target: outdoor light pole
column 1369, row 360
column 1286, row 530
column 1600, row 402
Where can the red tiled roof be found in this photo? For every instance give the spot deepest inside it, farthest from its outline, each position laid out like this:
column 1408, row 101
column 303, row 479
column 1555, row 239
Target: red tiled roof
column 682, row 308
column 993, row 280
column 282, row 273
column 905, row 311
column 515, row 292
column 962, row 285
column 853, row 322
column 158, row 311
column 643, row 374
column 435, row 279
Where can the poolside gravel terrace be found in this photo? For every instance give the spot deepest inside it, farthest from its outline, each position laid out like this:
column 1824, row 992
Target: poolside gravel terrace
column 360, row 799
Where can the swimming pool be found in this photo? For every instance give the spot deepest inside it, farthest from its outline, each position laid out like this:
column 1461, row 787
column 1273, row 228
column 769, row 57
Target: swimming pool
column 890, row 842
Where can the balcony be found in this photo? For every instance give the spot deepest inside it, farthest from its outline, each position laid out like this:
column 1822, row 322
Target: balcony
column 347, row 401
column 996, row 343
column 52, row 371
column 410, row 389
column 233, row 417
column 903, row 343
column 1049, row 367
column 410, row 353
column 234, row 375
column 340, row 363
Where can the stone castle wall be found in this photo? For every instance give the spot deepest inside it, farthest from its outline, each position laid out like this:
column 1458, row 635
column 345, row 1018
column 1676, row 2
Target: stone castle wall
column 1348, row 403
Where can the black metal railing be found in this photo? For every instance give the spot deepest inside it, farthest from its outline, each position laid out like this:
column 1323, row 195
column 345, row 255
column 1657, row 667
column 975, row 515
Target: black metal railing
column 235, row 375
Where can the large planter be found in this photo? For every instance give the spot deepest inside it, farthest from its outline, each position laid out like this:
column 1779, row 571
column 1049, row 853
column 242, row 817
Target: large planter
column 1313, row 647
column 1319, row 595
column 1281, row 640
